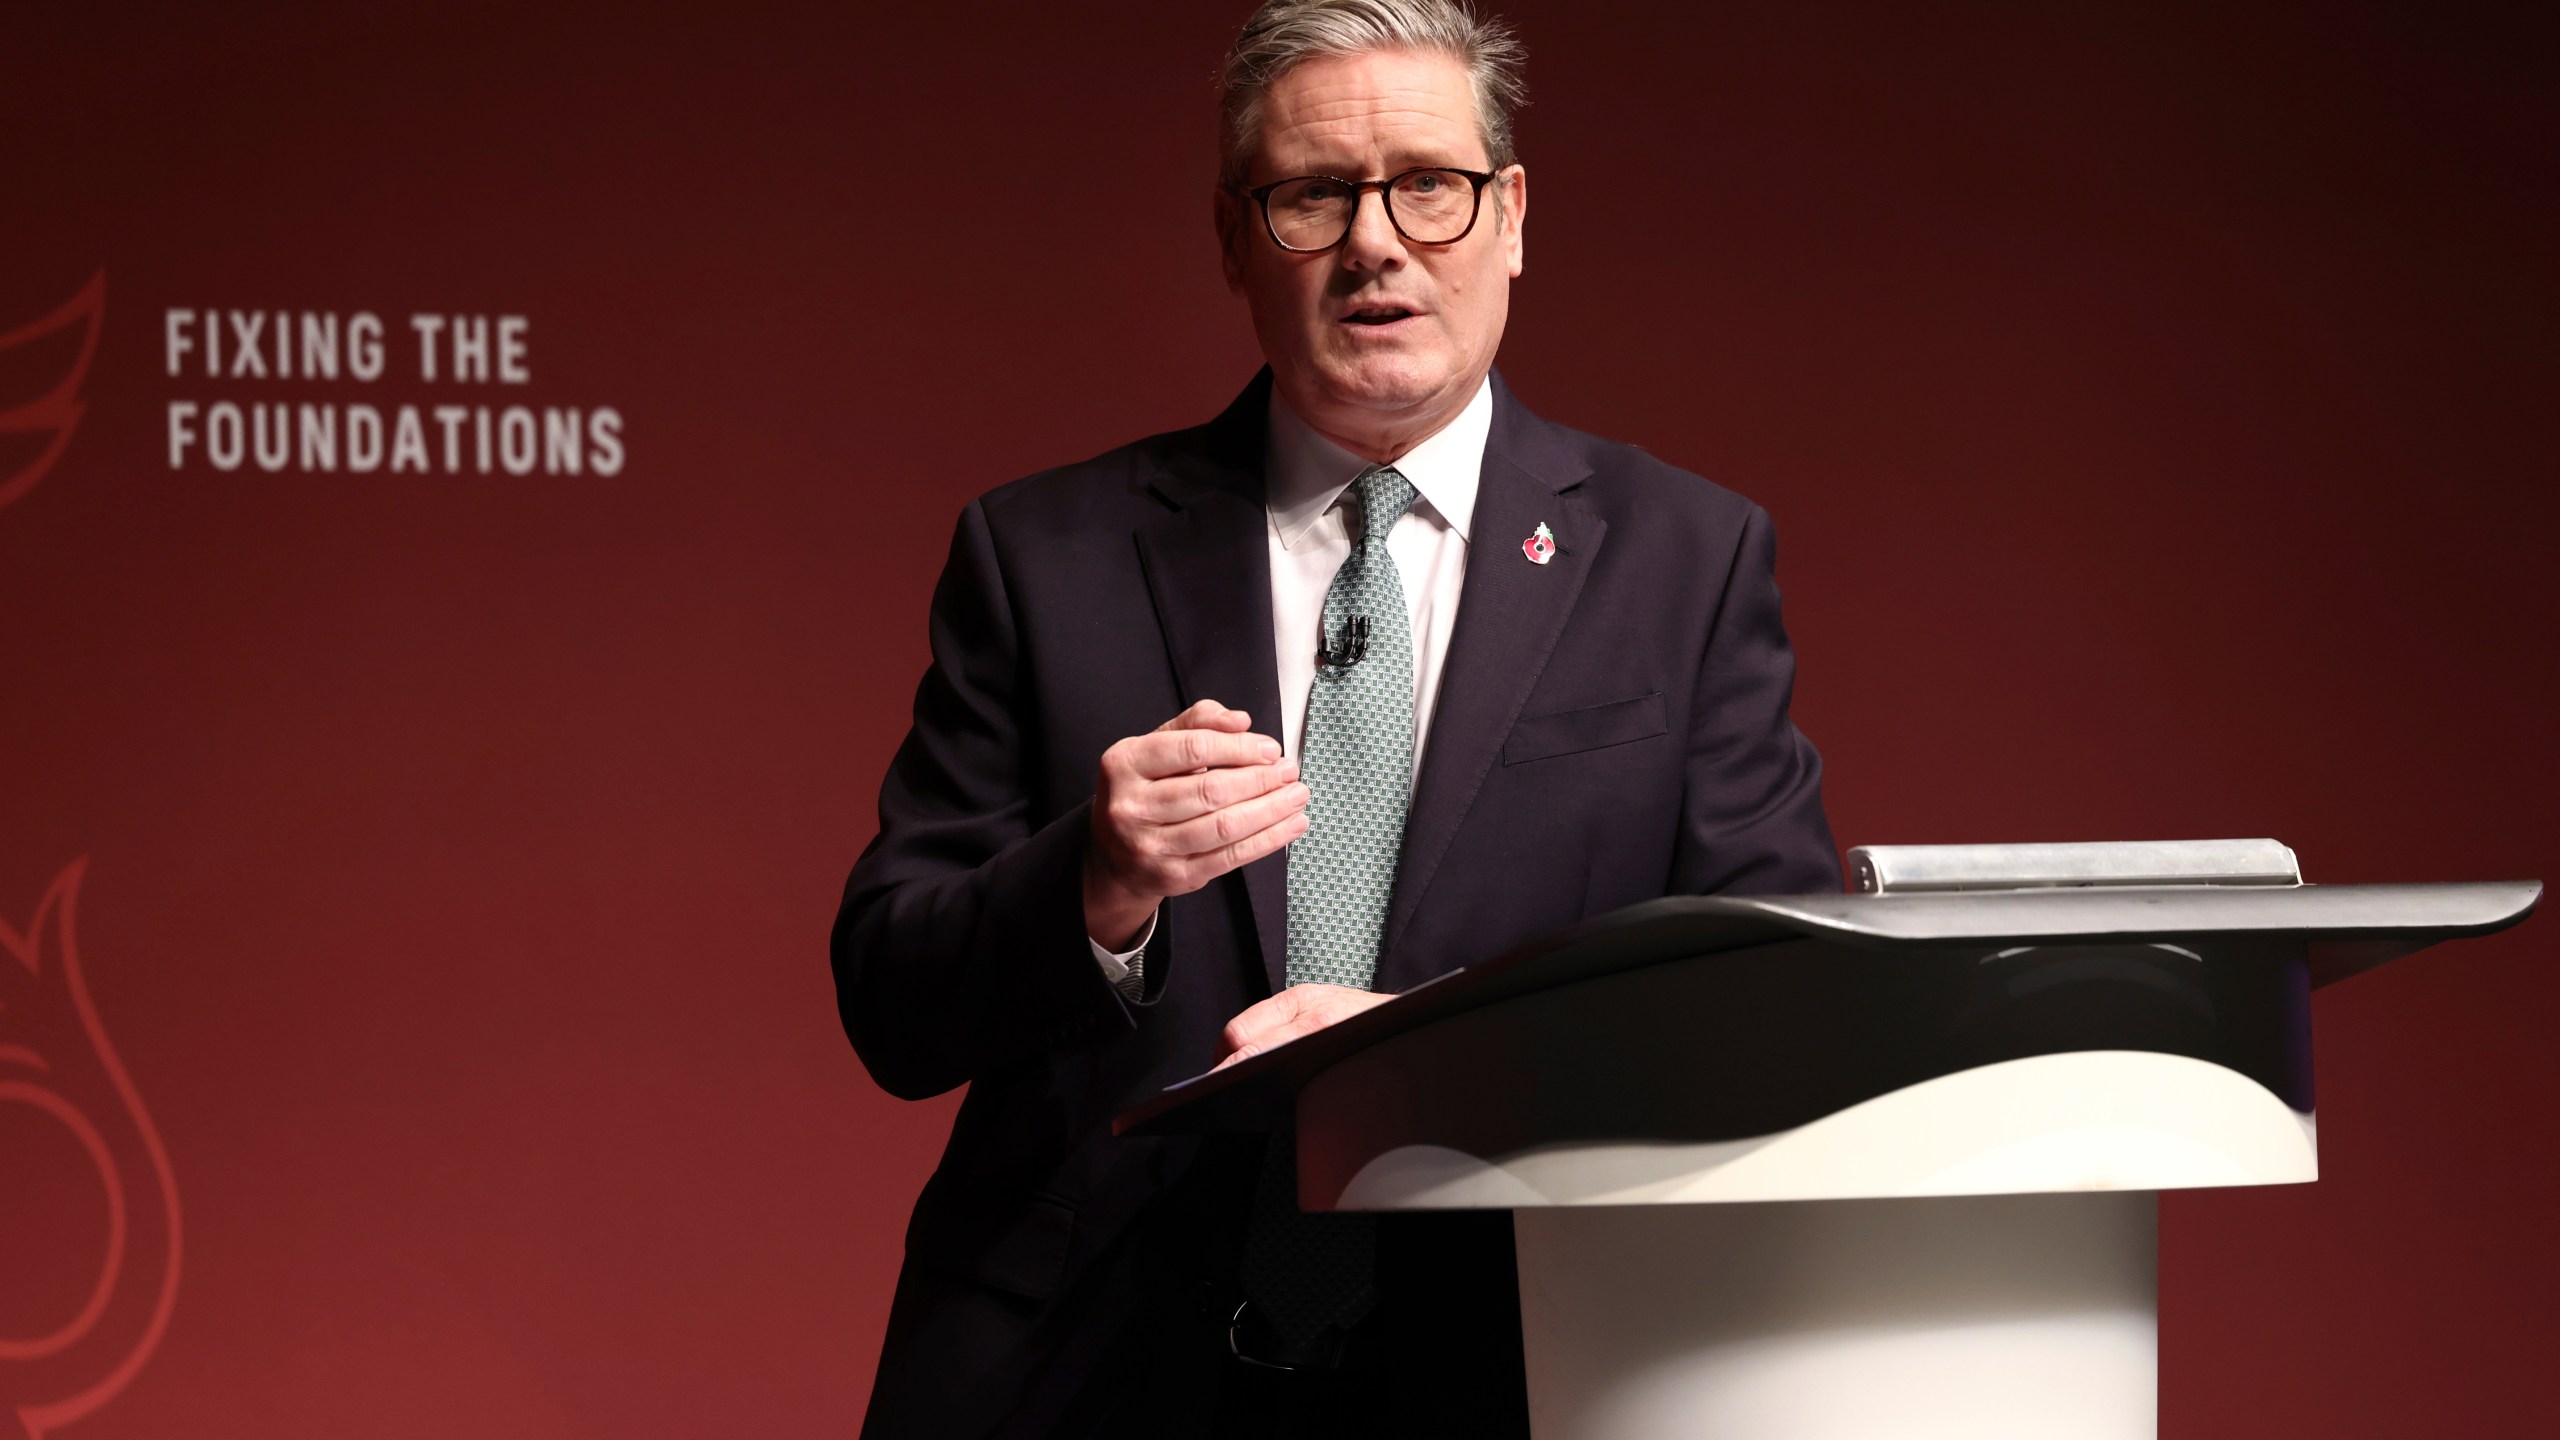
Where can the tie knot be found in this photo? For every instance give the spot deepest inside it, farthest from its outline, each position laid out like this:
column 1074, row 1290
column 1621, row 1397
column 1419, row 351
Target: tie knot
column 1384, row 497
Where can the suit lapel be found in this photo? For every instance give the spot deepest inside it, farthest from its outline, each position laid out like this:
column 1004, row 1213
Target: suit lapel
column 1208, row 568
column 1510, row 612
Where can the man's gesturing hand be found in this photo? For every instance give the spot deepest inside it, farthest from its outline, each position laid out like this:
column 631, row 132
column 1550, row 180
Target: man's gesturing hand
column 1180, row 806
column 1296, row 1011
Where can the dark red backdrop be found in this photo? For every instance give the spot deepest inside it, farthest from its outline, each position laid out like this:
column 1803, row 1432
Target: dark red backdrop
column 2155, row 401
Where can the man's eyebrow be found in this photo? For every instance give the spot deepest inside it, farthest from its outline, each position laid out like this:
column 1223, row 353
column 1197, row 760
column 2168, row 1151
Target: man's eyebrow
column 1396, row 162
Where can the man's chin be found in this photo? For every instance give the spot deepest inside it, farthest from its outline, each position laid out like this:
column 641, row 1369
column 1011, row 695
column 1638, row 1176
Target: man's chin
column 1385, row 385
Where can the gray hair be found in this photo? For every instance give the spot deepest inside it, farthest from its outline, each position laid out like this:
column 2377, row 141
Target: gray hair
column 1284, row 33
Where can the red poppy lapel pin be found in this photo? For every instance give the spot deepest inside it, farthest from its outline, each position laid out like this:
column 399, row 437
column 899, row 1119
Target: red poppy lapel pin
column 1540, row 547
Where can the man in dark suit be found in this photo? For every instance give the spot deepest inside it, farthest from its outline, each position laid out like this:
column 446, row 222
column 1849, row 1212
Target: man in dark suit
column 1442, row 677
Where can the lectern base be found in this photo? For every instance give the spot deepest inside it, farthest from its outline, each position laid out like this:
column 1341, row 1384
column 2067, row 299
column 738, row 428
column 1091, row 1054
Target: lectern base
column 1980, row 1317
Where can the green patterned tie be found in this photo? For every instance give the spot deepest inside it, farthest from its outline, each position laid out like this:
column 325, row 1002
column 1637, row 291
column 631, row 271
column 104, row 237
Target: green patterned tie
column 1306, row 1272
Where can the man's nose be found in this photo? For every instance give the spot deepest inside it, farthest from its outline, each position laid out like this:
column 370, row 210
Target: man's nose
column 1373, row 243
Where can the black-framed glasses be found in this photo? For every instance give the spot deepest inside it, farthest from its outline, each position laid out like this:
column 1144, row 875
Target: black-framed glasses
column 1432, row 205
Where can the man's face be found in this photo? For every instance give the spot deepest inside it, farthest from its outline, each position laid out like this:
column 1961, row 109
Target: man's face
column 1380, row 341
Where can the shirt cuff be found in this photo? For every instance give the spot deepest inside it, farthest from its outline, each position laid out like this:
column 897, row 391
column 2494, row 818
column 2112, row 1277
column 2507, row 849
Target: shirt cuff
column 1115, row 966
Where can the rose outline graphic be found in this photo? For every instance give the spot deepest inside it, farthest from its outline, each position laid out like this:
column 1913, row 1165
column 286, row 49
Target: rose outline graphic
column 58, row 410
column 52, row 1380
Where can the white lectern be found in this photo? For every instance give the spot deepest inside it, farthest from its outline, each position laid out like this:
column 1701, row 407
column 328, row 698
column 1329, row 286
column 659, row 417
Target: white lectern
column 1853, row 1167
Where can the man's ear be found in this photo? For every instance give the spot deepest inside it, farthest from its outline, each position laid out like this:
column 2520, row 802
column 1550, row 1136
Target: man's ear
column 1227, row 214
column 1511, row 213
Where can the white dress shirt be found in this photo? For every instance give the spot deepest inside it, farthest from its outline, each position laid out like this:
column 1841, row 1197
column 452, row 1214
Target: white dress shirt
column 1310, row 525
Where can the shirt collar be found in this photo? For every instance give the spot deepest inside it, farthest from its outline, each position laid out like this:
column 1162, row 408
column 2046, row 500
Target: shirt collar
column 1306, row 472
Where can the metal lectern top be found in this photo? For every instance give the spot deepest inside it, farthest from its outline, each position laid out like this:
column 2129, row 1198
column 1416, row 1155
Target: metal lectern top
column 2346, row 929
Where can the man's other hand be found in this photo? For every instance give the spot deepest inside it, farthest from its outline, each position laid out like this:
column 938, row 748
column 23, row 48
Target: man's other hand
column 1176, row 808
column 1298, row 1010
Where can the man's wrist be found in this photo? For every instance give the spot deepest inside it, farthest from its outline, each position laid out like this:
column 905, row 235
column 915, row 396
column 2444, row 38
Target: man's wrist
column 1127, row 951
column 1115, row 917
column 1125, row 969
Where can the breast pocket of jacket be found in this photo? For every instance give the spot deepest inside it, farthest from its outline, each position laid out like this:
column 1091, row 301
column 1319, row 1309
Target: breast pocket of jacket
column 1593, row 727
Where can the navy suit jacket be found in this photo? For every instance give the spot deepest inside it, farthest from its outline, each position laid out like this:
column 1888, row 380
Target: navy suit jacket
column 1611, row 727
